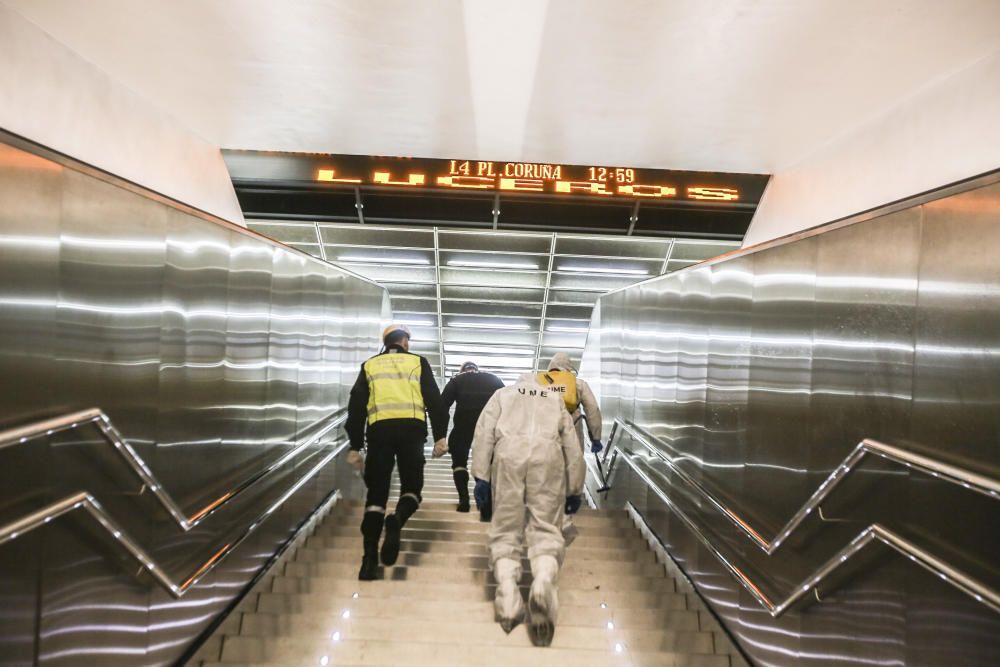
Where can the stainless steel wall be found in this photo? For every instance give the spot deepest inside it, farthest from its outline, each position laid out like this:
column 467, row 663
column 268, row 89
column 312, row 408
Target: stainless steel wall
column 762, row 370
column 212, row 350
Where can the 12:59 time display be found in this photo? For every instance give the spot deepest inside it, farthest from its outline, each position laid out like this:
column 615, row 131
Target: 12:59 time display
column 605, row 174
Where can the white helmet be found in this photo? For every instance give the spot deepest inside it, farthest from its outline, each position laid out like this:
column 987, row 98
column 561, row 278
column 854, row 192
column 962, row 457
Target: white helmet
column 393, row 328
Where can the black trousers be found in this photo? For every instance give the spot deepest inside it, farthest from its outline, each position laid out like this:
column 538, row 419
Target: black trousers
column 406, row 452
column 459, row 445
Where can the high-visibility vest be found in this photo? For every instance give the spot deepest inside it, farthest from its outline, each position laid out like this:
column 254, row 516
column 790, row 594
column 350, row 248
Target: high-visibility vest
column 394, row 387
column 564, row 383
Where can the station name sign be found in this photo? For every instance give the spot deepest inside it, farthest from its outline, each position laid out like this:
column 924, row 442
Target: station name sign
column 595, row 182
column 524, row 177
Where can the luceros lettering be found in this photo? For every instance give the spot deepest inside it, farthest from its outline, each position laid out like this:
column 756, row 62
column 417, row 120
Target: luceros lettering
column 530, row 177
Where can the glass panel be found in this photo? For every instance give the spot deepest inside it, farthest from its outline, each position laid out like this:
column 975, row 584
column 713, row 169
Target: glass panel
column 494, row 260
column 492, row 293
column 366, row 235
column 341, row 254
column 391, row 273
column 495, row 241
column 411, row 289
column 612, row 247
column 286, row 232
column 495, row 308
column 701, row 249
column 483, row 277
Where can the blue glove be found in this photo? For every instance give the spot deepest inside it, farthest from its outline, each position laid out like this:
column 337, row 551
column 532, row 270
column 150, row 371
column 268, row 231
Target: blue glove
column 573, row 504
column 484, row 499
column 596, row 446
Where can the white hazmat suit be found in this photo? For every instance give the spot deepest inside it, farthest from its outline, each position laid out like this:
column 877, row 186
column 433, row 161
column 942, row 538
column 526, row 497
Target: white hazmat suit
column 526, row 447
column 588, row 423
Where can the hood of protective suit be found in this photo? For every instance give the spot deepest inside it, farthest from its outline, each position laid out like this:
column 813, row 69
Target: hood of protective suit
column 560, row 361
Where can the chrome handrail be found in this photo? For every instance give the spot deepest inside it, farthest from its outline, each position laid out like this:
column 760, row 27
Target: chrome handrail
column 870, row 535
column 947, row 472
column 83, row 500
column 103, row 423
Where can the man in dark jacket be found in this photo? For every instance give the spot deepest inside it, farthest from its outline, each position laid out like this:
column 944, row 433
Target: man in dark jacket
column 390, row 401
column 470, row 390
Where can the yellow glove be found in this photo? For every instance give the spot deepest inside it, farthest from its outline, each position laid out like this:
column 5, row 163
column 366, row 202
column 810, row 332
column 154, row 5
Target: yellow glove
column 356, row 460
column 440, row 448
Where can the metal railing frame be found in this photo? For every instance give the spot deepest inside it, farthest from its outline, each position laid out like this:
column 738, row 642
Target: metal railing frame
column 84, row 501
column 873, row 534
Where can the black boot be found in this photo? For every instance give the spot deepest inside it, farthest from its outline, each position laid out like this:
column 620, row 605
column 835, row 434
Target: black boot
column 371, row 531
column 394, row 523
column 461, row 476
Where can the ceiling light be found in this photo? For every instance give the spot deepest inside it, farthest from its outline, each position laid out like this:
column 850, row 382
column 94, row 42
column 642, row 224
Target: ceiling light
column 486, row 349
column 419, row 323
column 492, row 265
column 382, row 260
column 488, row 325
column 567, row 329
column 604, row 269
column 513, row 363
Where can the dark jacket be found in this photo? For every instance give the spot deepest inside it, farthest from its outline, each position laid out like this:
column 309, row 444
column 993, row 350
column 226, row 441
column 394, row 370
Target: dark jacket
column 470, row 392
column 392, row 429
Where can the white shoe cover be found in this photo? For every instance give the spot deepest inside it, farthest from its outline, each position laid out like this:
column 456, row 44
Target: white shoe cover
column 508, row 603
column 544, row 598
column 569, row 530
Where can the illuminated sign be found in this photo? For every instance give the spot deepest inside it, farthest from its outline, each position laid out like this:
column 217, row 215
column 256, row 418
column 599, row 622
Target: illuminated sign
column 385, row 188
column 525, row 177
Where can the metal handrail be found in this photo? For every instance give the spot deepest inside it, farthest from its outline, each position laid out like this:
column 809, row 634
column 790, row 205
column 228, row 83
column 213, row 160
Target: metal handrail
column 135, row 462
column 875, row 533
column 947, row 472
column 83, row 500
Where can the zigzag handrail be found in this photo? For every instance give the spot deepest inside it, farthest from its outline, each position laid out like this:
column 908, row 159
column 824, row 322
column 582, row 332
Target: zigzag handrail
column 875, row 533
column 84, row 501
column 135, row 462
column 947, row 472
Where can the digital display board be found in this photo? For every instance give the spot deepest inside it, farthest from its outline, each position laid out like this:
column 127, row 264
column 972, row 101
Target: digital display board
column 530, row 178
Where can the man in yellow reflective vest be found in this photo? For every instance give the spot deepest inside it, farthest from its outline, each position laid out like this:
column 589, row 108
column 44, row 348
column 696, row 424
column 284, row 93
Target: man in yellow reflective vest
column 394, row 394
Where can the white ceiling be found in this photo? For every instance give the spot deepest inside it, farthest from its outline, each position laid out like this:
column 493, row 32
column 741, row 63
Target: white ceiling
column 740, row 85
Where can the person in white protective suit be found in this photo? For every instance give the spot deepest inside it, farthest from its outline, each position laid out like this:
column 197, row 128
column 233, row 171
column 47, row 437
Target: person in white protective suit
column 576, row 394
column 527, row 460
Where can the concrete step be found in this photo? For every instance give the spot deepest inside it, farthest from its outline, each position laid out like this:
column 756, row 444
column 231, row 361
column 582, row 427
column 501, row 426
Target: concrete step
column 443, row 566
column 592, row 617
column 324, row 549
column 440, row 651
column 313, row 630
column 573, row 580
column 412, row 533
column 435, row 607
column 592, row 526
column 616, row 514
column 277, row 602
column 437, row 512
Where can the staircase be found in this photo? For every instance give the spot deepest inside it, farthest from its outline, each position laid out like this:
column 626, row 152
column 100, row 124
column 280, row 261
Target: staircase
column 618, row 606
